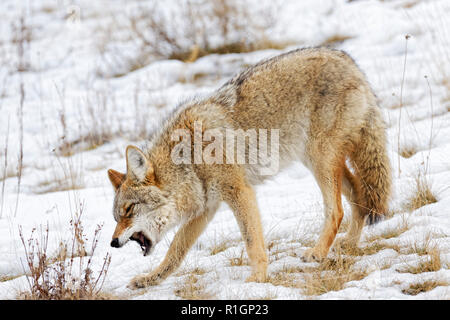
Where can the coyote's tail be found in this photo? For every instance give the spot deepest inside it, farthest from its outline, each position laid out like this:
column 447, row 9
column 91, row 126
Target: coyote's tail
column 372, row 167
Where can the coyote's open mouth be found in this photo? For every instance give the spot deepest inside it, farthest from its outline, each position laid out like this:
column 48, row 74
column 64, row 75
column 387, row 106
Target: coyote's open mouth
column 144, row 242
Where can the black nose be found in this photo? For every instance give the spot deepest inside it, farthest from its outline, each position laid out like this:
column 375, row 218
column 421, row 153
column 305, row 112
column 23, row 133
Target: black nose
column 115, row 243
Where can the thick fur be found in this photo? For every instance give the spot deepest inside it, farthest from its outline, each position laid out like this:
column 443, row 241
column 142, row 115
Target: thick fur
column 327, row 117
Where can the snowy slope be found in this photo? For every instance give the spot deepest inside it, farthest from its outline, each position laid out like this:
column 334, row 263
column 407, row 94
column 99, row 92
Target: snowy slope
column 63, row 81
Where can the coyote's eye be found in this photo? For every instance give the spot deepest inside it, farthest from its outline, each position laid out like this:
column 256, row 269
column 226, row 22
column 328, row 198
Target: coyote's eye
column 129, row 210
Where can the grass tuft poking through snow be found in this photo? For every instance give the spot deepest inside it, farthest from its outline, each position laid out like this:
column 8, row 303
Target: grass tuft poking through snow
column 332, row 275
column 416, row 288
column 422, row 194
column 408, row 151
column 431, row 263
column 192, row 289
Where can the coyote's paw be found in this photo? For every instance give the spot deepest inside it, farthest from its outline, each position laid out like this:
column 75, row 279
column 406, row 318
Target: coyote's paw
column 312, row 255
column 143, row 281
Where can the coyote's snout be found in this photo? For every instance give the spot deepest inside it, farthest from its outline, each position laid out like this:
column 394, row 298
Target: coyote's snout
column 324, row 114
column 139, row 237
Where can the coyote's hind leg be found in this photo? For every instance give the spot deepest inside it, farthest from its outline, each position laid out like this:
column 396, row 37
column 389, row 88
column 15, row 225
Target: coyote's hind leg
column 329, row 178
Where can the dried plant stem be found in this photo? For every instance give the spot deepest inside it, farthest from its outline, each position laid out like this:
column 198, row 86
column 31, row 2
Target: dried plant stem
column 54, row 277
column 4, row 170
column 401, row 104
column 22, row 37
column 20, row 156
column 431, row 126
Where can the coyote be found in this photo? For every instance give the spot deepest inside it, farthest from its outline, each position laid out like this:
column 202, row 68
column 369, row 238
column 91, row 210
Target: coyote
column 327, row 117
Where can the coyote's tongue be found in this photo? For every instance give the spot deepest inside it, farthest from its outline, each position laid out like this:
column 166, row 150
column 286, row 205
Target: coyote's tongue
column 144, row 243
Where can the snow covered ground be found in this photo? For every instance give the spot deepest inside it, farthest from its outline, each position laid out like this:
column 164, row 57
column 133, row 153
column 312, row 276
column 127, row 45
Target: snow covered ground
column 403, row 46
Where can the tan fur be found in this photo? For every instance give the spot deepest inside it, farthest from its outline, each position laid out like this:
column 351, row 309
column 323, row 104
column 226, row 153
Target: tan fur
column 327, row 115
column 123, row 224
column 116, row 178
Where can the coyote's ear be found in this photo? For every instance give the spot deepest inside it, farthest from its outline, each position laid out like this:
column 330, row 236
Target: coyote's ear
column 137, row 164
column 116, row 178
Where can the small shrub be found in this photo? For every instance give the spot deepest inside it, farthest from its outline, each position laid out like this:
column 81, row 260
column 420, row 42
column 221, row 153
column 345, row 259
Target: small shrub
column 66, row 275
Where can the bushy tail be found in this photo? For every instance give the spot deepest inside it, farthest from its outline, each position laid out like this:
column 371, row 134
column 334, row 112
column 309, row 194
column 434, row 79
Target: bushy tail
column 372, row 167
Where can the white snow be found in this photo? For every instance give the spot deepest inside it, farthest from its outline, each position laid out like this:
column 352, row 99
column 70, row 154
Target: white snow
column 67, row 77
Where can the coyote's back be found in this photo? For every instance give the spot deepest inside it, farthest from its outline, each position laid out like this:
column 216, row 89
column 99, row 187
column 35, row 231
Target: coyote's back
column 327, row 113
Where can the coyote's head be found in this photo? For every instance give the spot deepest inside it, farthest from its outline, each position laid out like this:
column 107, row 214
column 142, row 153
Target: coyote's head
column 142, row 211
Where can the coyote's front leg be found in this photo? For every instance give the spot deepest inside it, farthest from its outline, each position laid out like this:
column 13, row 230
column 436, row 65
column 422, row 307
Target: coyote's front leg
column 241, row 198
column 182, row 242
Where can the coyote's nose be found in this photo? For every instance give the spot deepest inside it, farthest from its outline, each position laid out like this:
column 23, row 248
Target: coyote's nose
column 115, row 243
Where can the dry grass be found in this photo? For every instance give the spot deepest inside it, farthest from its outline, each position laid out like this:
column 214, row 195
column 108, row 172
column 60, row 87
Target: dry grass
column 186, row 32
column 239, row 261
column 100, row 120
column 222, row 246
column 192, row 289
column 237, row 47
column 432, row 263
column 410, row 4
column 64, row 175
column 276, row 253
column 289, row 276
column 196, row 271
column 426, row 247
column 219, row 248
column 96, row 123
column 335, row 40
column 195, row 78
column 345, row 225
column 9, row 278
column 5, row 173
column 332, row 275
column 285, row 279
column 190, row 30
column 329, row 275
column 408, row 151
column 267, row 296
column 421, row 196
column 66, row 275
column 391, row 213
column 416, row 288
column 85, row 142
column 392, row 232
column 371, row 249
